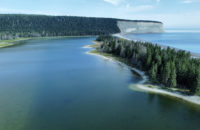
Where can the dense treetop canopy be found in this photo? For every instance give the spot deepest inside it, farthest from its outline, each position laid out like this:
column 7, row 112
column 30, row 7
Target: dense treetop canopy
column 15, row 25
column 165, row 66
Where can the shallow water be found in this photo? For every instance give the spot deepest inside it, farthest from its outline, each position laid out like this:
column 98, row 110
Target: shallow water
column 186, row 39
column 54, row 84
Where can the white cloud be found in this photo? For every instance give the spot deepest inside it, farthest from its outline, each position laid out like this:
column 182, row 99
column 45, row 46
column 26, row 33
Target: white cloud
column 187, row 1
column 158, row 1
column 190, row 1
column 140, row 8
column 129, row 7
column 114, row 2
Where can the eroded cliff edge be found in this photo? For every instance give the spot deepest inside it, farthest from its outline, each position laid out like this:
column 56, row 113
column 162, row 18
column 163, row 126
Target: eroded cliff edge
column 127, row 27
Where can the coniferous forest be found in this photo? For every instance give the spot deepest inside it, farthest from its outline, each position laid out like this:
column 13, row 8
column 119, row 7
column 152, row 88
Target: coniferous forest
column 15, row 26
column 164, row 66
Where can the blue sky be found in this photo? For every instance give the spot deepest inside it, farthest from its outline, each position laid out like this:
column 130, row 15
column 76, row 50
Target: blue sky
column 173, row 13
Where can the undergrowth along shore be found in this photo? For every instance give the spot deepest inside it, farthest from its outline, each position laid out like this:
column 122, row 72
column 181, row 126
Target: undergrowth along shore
column 8, row 43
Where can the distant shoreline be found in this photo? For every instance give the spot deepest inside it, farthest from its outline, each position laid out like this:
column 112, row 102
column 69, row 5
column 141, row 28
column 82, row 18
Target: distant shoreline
column 14, row 42
column 193, row 54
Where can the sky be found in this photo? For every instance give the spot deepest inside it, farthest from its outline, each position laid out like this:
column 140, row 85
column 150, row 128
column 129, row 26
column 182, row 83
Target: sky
column 173, row 13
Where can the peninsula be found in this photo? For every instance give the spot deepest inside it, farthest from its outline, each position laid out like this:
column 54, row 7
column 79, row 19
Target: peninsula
column 164, row 66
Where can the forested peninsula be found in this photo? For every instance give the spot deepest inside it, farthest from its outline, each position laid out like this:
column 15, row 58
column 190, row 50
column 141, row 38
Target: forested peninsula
column 165, row 66
column 13, row 26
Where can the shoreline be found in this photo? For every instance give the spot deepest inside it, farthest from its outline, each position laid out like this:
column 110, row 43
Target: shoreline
column 145, row 87
column 14, row 42
column 9, row 43
column 158, row 90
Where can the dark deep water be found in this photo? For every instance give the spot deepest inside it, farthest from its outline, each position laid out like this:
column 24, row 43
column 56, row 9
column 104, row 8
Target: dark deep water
column 54, row 85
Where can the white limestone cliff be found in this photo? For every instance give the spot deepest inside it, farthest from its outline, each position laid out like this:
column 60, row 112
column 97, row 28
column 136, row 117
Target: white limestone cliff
column 140, row 27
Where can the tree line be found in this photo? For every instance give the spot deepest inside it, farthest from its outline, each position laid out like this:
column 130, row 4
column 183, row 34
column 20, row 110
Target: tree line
column 164, row 66
column 14, row 26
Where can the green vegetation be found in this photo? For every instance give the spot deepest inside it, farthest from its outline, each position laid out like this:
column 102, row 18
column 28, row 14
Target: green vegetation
column 13, row 26
column 8, row 43
column 168, row 67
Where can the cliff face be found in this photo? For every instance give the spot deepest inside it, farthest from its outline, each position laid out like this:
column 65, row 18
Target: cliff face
column 140, row 27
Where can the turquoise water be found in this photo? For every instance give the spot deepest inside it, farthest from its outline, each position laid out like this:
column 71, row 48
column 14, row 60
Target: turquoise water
column 54, row 85
column 186, row 39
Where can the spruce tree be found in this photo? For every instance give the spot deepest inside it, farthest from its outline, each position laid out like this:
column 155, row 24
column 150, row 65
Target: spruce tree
column 166, row 73
column 154, row 73
column 197, row 84
column 172, row 79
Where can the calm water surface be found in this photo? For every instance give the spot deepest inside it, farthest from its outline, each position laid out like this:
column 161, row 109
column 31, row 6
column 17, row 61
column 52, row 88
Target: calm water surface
column 54, row 85
column 186, row 39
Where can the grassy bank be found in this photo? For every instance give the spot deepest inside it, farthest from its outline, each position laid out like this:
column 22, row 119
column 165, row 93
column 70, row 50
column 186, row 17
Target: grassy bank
column 8, row 43
column 18, row 41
